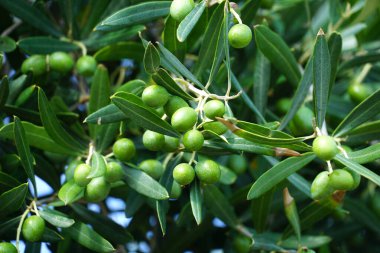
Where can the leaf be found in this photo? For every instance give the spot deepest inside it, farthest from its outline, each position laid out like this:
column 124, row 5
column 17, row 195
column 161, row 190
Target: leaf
column 162, row 77
column 309, row 241
column 227, row 176
column 363, row 112
column 366, row 155
column 261, row 210
column 261, row 82
column 108, row 114
column 188, row 23
column 362, row 214
column 8, row 180
column 45, row 45
column 249, row 10
column 70, row 192
column 53, row 127
column 121, row 50
column 56, row 218
column 359, row 60
column 292, row 213
column 9, row 225
column 106, row 136
column 196, row 201
column 7, row 45
column 4, row 90
column 133, row 203
column 31, row 15
column 170, row 40
column 97, row 9
column 278, row 53
column 321, row 77
column 358, row 169
column 23, row 150
column 87, row 237
column 144, row 116
column 335, row 49
column 277, row 173
column 98, row 165
column 135, row 14
column 144, row 184
column 12, row 200
column 151, row 59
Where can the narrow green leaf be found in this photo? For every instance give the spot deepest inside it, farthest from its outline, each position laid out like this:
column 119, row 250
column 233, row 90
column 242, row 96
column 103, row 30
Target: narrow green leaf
column 133, row 107
column 261, row 81
column 45, row 45
column 277, row 52
column 227, row 176
column 261, row 210
column 56, row 218
column 7, row 45
column 12, row 200
column 70, row 192
column 359, row 60
column 196, row 201
column 98, row 165
column 87, row 237
column 9, row 225
column 170, row 39
column 278, row 173
column 188, row 23
column 321, row 77
column 363, row 112
column 362, row 214
column 249, row 10
column 108, row 114
column 4, row 90
column 8, row 180
column 151, row 59
column 53, row 127
column 309, row 241
column 366, row 155
column 106, row 136
column 121, row 50
column 97, row 9
column 135, row 14
column 23, row 150
column 292, row 213
column 335, row 49
column 133, row 203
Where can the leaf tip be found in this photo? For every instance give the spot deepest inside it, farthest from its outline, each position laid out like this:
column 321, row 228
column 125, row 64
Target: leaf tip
column 321, row 32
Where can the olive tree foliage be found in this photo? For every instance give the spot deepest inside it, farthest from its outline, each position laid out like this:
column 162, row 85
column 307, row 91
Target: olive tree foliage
column 248, row 126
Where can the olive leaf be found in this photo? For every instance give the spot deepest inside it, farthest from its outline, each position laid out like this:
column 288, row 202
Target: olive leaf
column 151, row 59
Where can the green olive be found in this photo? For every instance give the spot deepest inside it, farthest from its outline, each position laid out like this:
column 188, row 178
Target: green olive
column 241, row 244
column 160, row 111
column 81, row 173
column 183, row 174
column 153, row 141
column 61, row 62
column 239, row 36
column 155, row 96
column 358, row 92
column 208, row 171
column 124, row 149
column 33, row 228
column 320, row 188
column 6, row 247
column 303, row 121
column 283, row 105
column 97, row 190
column 216, row 127
column 214, row 108
column 325, row 147
column 184, row 119
column 114, row 172
column 171, row 144
column 86, row 65
column 152, row 167
column 341, row 180
column 180, row 8
column 176, row 191
column 193, row 140
column 174, row 103
column 237, row 163
column 356, row 177
column 35, row 64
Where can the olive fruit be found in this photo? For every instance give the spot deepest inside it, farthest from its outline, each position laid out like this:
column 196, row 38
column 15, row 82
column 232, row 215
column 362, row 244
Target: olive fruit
column 81, row 173
column 171, row 144
column 36, row 64
column 303, row 121
column 184, row 119
column 237, row 163
column 341, row 180
column 241, row 244
column 174, row 103
column 216, row 127
column 356, row 176
column 214, row 108
column 33, row 228
column 86, row 65
column 152, row 167
column 320, row 187
column 114, row 172
column 208, row 171
column 69, row 172
column 283, row 105
column 325, row 147
column 176, row 191
column 153, row 141
column 61, row 62
column 239, row 36
column 180, row 8
column 358, row 92
column 160, row 111
column 124, row 149
column 155, row 96
column 183, row 174
column 193, row 140
column 97, row 190
column 6, row 247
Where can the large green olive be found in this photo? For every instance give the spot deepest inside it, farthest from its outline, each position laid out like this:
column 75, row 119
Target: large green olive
column 174, row 103
column 208, row 171
column 61, row 62
column 341, row 180
column 214, row 108
column 152, row 167
column 216, row 127
column 358, row 92
column 97, row 190
column 183, row 174
column 325, row 147
column 193, row 140
column 237, row 163
column 35, row 64
column 239, row 36
column 81, row 173
column 184, row 119
column 176, row 191
column 153, row 141
column 180, row 8
column 124, row 149
column 114, row 172
column 33, row 228
column 171, row 144
column 155, row 96
column 320, row 188
column 86, row 65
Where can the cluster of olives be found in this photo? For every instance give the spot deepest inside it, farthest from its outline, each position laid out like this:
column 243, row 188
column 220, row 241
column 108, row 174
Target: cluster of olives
column 60, row 62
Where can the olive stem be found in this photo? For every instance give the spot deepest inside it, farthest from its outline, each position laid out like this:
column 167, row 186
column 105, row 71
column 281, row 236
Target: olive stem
column 11, row 28
column 82, row 47
column 109, row 155
column 236, row 15
column 363, row 73
column 192, row 157
column 35, row 208
column 329, row 167
column 90, row 152
column 20, row 226
column 167, row 159
column 343, row 151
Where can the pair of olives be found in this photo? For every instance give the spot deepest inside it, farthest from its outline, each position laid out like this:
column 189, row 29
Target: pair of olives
column 207, row 172
column 59, row 61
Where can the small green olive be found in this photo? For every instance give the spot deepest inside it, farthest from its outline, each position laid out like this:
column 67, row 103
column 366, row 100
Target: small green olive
column 283, row 105
column 184, row 119
column 33, row 228
column 152, row 167
column 81, row 173
column 237, row 163
column 239, row 36
column 69, row 172
column 61, row 62
column 180, row 8
column 208, row 171
column 214, row 108
column 176, row 191
column 86, row 65
column 174, row 103
column 155, row 96
column 171, row 144
column 356, row 176
column 6, row 247
column 241, row 244
column 35, row 64
column 124, row 149
column 153, row 141
column 97, row 190
column 358, row 92
column 341, row 180
column 320, row 188
column 325, row 147
column 193, row 140
column 114, row 172
column 183, row 174
column 303, row 121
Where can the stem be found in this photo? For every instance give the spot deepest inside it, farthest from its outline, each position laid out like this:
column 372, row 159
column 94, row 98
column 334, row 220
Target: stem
column 109, row 155
column 35, row 208
column 363, row 73
column 20, row 225
column 329, row 167
column 90, row 152
column 236, row 15
column 343, row 151
column 192, row 157
column 82, row 47
column 167, row 159
column 11, row 28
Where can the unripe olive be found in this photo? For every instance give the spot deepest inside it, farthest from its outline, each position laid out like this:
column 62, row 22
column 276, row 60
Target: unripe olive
column 216, row 127
column 81, row 173
column 176, row 191
column 183, row 174
column 239, row 36
column 356, row 176
column 124, row 149
column 36, row 64
column 6, row 247
column 283, row 105
column 241, row 244
column 184, row 119
column 180, row 8
column 320, row 187
column 341, row 180
column 152, row 167
column 208, row 171
column 155, row 96
column 171, row 144
column 193, row 140
column 69, row 172
column 303, row 121
column 174, row 103
column 33, row 228
column 61, row 62
column 325, row 147
column 114, row 172
column 86, row 65
column 153, row 141
column 160, row 111
column 358, row 92
column 97, row 190
column 237, row 163
column 214, row 108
